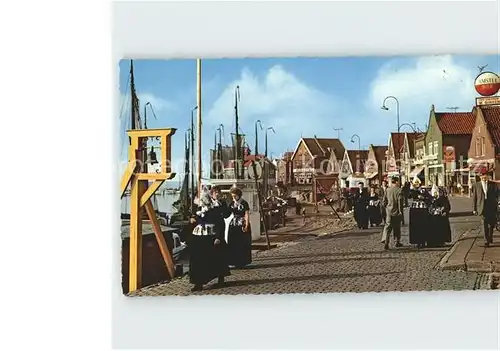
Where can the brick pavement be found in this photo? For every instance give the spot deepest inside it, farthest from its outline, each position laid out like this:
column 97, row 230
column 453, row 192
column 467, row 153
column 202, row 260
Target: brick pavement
column 352, row 261
column 469, row 252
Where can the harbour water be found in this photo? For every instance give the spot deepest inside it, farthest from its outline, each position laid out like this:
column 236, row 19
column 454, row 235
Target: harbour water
column 164, row 202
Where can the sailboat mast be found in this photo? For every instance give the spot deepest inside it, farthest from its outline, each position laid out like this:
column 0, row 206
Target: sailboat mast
column 192, row 162
column 198, row 103
column 237, row 137
column 186, row 172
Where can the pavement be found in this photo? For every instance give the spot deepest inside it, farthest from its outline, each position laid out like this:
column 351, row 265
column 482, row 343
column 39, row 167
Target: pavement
column 351, row 261
column 469, row 252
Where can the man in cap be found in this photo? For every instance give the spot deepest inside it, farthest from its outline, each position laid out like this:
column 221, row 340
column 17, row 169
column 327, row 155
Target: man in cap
column 394, row 205
column 485, row 202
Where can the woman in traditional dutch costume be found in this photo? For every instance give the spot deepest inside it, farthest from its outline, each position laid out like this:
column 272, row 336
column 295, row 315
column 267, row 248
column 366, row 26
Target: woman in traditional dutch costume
column 239, row 235
column 361, row 207
column 208, row 248
column 439, row 209
column 419, row 214
column 374, row 212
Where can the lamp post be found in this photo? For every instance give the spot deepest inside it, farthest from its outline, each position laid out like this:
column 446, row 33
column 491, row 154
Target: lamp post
column 272, row 129
column 257, row 136
column 359, row 140
column 408, row 125
column 384, row 107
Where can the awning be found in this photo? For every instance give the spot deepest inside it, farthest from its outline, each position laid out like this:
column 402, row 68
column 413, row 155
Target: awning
column 416, row 171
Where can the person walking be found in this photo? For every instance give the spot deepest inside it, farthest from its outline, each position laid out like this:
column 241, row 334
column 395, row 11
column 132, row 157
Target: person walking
column 393, row 202
column 485, row 202
column 381, row 194
column 239, row 242
column 207, row 246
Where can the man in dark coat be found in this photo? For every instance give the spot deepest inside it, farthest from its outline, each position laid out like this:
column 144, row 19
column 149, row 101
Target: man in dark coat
column 485, row 202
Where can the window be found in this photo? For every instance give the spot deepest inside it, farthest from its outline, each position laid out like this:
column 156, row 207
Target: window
column 436, row 144
column 429, row 147
column 478, row 146
column 483, row 146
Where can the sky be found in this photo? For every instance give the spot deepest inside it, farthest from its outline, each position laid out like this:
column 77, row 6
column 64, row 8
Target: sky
column 298, row 97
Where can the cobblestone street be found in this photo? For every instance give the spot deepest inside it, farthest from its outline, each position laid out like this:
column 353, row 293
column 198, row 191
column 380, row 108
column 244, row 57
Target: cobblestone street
column 352, row 261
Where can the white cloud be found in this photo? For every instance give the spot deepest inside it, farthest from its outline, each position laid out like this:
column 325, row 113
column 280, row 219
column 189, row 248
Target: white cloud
column 438, row 80
column 280, row 100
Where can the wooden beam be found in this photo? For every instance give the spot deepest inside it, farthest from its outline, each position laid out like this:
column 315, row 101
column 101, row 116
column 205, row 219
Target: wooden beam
column 127, row 177
column 151, row 133
column 150, row 192
column 135, row 259
column 164, row 155
column 162, row 244
column 155, row 176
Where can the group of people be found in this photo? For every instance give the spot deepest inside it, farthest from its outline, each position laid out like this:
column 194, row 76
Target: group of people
column 212, row 253
column 368, row 207
column 429, row 222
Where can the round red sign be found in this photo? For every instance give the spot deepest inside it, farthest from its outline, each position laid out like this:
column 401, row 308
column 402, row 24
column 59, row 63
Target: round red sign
column 487, row 83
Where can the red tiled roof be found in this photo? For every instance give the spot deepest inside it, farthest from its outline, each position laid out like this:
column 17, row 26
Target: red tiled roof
column 358, row 159
column 318, row 145
column 379, row 152
column 398, row 141
column 456, row 123
column 491, row 116
column 411, row 142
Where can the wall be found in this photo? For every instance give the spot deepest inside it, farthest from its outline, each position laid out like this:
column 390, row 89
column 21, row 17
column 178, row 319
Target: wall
column 153, row 265
column 302, row 159
column 481, row 131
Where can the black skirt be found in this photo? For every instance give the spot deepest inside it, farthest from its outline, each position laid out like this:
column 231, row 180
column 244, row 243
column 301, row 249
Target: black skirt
column 207, row 261
column 419, row 225
column 440, row 230
column 375, row 215
column 239, row 246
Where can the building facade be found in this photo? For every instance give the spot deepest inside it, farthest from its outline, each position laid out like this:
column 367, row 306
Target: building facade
column 316, row 156
column 374, row 169
column 353, row 167
column 447, row 144
column 484, row 148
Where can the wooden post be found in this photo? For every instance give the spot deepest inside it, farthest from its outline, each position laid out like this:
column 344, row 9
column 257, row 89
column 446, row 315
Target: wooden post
column 140, row 197
column 135, row 259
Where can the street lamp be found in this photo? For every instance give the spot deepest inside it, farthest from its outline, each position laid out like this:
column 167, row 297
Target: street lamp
column 272, row 129
column 384, row 107
column 359, row 141
column 412, row 127
column 257, row 136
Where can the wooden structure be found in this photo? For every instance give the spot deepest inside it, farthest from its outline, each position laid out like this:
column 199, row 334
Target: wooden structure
column 140, row 197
